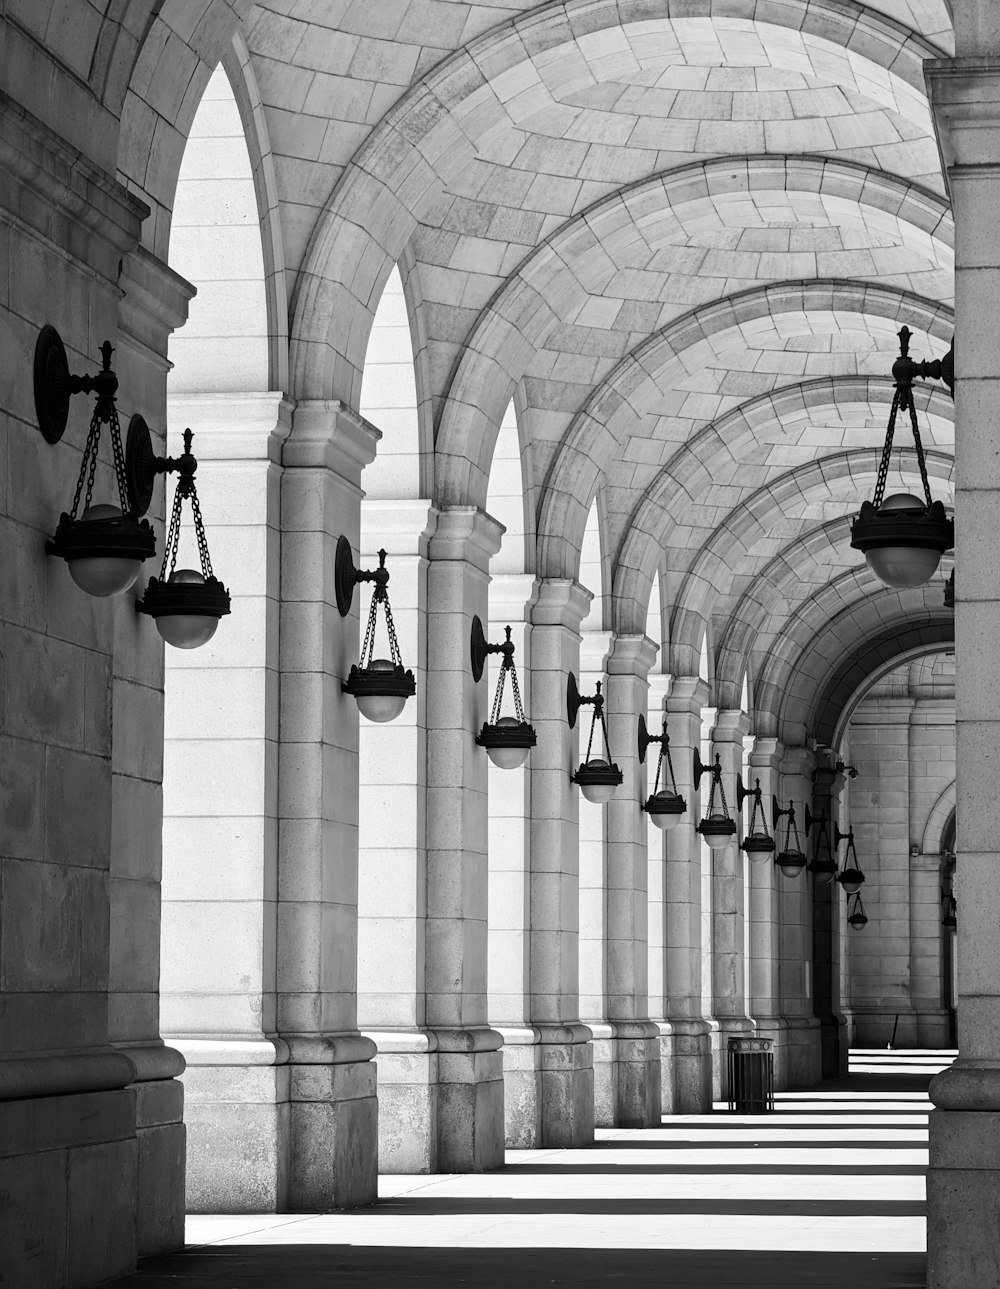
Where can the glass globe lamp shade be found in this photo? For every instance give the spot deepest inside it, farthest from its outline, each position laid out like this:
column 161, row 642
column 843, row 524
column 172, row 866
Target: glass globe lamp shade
column 376, row 707
column 507, row 755
column 759, row 846
column 597, row 780
column 665, row 809
column 103, row 574
column 903, row 566
column 823, row 872
column 717, row 830
column 791, row 862
column 186, row 630
column 851, row 879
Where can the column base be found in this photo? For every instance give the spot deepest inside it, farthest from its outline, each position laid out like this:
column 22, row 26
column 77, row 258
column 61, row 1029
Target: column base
column 470, row 1118
column 637, row 1074
column 333, row 1136
column 963, row 1198
column 161, row 1141
column 692, row 1051
column 236, row 1113
column 805, row 1056
column 268, row 1134
column 776, row 1029
column 665, row 1042
column 68, row 1170
column 728, row 1027
column 548, row 1086
column 567, row 1085
column 602, row 1046
column 407, row 1101
column 521, row 1108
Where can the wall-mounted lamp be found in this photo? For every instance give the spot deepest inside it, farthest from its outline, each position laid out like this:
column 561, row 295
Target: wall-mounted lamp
column 103, row 545
column 664, row 805
column 597, row 778
column 790, row 859
column 856, row 916
column 380, row 686
column 758, row 843
column 718, row 827
column 851, row 877
column 185, row 605
column 903, row 537
column 843, row 768
column 507, row 739
column 824, row 864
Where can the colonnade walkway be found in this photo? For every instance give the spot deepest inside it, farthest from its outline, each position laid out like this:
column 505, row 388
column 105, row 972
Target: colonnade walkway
column 828, row 1191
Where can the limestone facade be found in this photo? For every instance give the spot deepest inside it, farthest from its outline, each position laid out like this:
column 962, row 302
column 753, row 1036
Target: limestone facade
column 585, row 313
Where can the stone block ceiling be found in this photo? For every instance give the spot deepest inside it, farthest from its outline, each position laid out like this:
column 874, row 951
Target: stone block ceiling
column 680, row 235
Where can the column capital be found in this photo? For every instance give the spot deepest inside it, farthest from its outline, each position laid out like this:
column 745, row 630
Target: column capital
column 767, row 753
column 731, row 726
column 687, row 694
column 512, row 596
column 466, row 533
column 330, row 434
column 562, row 602
column 594, row 646
column 402, row 526
column 232, row 426
column 964, row 96
column 799, row 760
column 631, row 655
column 659, row 688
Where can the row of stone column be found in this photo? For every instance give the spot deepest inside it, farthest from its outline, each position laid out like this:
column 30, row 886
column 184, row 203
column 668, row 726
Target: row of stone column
column 263, row 968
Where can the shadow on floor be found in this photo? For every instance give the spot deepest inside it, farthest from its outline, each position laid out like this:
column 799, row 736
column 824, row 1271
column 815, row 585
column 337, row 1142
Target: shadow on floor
column 351, row 1267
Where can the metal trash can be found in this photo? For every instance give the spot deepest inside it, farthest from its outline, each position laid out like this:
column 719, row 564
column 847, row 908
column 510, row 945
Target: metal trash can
column 751, row 1075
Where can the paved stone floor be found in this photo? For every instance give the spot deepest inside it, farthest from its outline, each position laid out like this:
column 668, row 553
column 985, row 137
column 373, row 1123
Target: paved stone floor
column 827, row 1192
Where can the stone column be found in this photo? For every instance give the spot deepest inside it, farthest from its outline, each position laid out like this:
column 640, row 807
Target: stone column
column 468, row 1116
column 880, row 814
column 765, row 915
column 391, row 850
column 796, row 930
column 932, row 771
column 659, row 687
column 332, row 1108
column 220, row 843
column 636, row 1037
column 683, row 984
column 594, row 907
column 512, row 596
column 729, row 999
column 154, row 304
column 963, row 1185
column 565, row 1065
column 828, row 899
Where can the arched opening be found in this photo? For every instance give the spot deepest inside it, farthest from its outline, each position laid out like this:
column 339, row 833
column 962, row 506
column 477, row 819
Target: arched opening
column 220, row 782
column 900, row 739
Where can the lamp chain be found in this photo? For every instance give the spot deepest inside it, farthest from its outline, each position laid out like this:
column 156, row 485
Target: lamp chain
column 598, row 715
column 507, row 667
column 920, row 452
column 199, row 530
column 659, row 766
column 173, row 538
column 758, row 806
column 883, row 468
column 380, row 596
